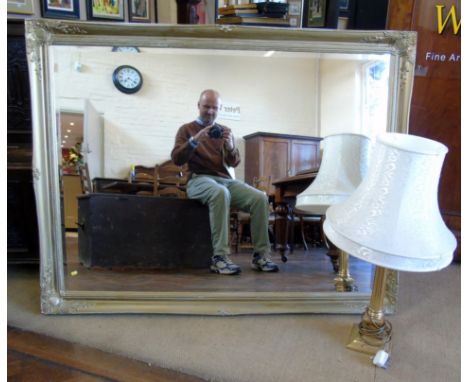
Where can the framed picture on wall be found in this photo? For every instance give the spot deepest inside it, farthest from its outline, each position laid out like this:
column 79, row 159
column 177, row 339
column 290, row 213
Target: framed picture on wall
column 139, row 11
column 25, row 7
column 112, row 10
column 155, row 11
column 61, row 9
column 346, row 13
column 315, row 13
column 343, row 5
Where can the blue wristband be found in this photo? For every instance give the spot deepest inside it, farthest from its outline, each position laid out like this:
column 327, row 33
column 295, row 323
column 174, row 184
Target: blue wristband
column 193, row 142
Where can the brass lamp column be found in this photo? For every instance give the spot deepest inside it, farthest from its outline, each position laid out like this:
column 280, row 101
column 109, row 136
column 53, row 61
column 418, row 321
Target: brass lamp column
column 343, row 281
column 393, row 220
column 344, row 164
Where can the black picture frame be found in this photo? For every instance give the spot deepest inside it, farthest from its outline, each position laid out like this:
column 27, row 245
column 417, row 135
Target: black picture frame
column 315, row 14
column 343, row 5
column 156, row 11
column 320, row 14
column 139, row 11
column 54, row 9
column 94, row 12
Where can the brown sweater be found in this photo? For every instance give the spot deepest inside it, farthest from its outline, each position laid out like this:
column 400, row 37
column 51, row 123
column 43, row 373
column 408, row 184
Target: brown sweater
column 207, row 158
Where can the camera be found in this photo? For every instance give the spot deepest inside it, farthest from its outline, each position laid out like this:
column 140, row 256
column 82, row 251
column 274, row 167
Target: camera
column 216, row 132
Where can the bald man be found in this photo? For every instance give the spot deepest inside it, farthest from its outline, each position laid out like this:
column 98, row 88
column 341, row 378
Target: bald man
column 209, row 149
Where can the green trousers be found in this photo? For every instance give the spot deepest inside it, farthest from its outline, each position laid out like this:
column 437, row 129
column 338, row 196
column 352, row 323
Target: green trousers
column 220, row 195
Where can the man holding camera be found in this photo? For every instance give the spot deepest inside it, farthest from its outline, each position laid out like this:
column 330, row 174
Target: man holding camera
column 209, row 149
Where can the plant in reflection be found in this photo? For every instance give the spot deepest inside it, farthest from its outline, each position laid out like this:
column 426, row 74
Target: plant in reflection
column 72, row 159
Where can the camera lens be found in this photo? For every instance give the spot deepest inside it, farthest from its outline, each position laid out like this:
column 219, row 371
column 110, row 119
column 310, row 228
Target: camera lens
column 216, row 132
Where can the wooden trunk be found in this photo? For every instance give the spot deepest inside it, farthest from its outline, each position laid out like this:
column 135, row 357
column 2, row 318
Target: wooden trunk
column 143, row 231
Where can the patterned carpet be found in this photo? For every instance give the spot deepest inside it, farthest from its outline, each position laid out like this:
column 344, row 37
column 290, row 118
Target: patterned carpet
column 426, row 336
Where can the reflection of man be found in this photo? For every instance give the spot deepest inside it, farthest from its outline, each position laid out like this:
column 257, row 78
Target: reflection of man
column 209, row 148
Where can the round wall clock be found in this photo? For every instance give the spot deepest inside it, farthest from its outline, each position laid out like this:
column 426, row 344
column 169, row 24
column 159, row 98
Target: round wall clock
column 127, row 79
column 126, row 49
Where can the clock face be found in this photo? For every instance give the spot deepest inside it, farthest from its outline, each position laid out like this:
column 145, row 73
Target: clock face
column 127, row 49
column 127, row 79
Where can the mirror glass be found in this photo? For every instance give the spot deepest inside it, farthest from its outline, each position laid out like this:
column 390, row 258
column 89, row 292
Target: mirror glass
column 301, row 87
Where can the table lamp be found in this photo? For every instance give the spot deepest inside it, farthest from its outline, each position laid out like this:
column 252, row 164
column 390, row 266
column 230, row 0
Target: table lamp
column 344, row 164
column 393, row 220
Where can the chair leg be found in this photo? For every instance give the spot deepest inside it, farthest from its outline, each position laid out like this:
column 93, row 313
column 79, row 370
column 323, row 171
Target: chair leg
column 271, row 234
column 304, row 242
column 323, row 238
column 234, row 234
column 240, row 233
column 291, row 229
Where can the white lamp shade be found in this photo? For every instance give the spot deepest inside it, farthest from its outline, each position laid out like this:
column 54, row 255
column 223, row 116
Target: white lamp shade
column 393, row 218
column 344, row 164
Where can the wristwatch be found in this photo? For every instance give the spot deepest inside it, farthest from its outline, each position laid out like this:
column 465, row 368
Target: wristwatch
column 193, row 142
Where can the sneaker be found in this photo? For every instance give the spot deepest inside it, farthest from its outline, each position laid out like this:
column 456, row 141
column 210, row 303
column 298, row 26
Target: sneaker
column 224, row 266
column 263, row 263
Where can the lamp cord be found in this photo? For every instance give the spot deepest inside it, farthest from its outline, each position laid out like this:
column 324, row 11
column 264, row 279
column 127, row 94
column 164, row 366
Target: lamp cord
column 382, row 332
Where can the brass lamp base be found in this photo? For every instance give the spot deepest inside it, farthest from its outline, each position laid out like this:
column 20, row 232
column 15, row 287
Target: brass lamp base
column 367, row 344
column 374, row 332
column 345, row 284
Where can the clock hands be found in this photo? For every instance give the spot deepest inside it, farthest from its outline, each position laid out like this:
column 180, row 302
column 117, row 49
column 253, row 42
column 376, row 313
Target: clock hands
column 127, row 79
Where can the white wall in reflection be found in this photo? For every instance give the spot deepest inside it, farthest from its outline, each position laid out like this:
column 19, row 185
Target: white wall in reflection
column 294, row 93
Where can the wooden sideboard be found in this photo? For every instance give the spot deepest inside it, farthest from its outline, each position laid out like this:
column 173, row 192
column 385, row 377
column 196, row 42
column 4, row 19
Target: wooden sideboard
column 279, row 155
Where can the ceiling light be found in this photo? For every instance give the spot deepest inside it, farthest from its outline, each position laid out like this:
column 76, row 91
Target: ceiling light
column 72, row 123
column 66, row 136
column 68, row 131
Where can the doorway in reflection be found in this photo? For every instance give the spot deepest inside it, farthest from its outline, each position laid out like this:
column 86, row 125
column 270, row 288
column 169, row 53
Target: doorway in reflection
column 71, row 139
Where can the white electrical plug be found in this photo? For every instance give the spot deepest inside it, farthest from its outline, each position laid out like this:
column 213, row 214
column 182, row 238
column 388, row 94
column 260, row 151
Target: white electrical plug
column 381, row 358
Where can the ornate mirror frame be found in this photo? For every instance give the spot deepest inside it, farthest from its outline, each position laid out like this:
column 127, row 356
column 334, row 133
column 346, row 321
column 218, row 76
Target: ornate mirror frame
column 42, row 34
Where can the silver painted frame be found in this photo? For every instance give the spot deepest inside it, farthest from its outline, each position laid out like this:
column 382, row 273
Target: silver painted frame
column 42, row 34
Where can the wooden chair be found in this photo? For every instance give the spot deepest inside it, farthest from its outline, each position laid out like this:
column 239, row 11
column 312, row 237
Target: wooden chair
column 315, row 222
column 262, row 183
column 170, row 180
column 142, row 174
column 86, row 185
column 145, row 175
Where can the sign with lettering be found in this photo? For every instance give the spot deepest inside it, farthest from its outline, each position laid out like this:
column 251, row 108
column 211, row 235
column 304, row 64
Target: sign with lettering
column 447, row 21
column 229, row 110
column 443, row 18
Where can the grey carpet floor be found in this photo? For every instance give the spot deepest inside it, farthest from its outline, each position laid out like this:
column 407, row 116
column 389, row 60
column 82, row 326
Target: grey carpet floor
column 282, row 348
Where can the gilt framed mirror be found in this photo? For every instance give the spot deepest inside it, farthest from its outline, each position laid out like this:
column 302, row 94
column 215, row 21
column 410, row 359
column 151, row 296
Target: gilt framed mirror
column 283, row 81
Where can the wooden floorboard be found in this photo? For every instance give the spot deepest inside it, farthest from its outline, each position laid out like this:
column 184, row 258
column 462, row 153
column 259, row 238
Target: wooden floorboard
column 305, row 271
column 22, row 367
column 35, row 357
